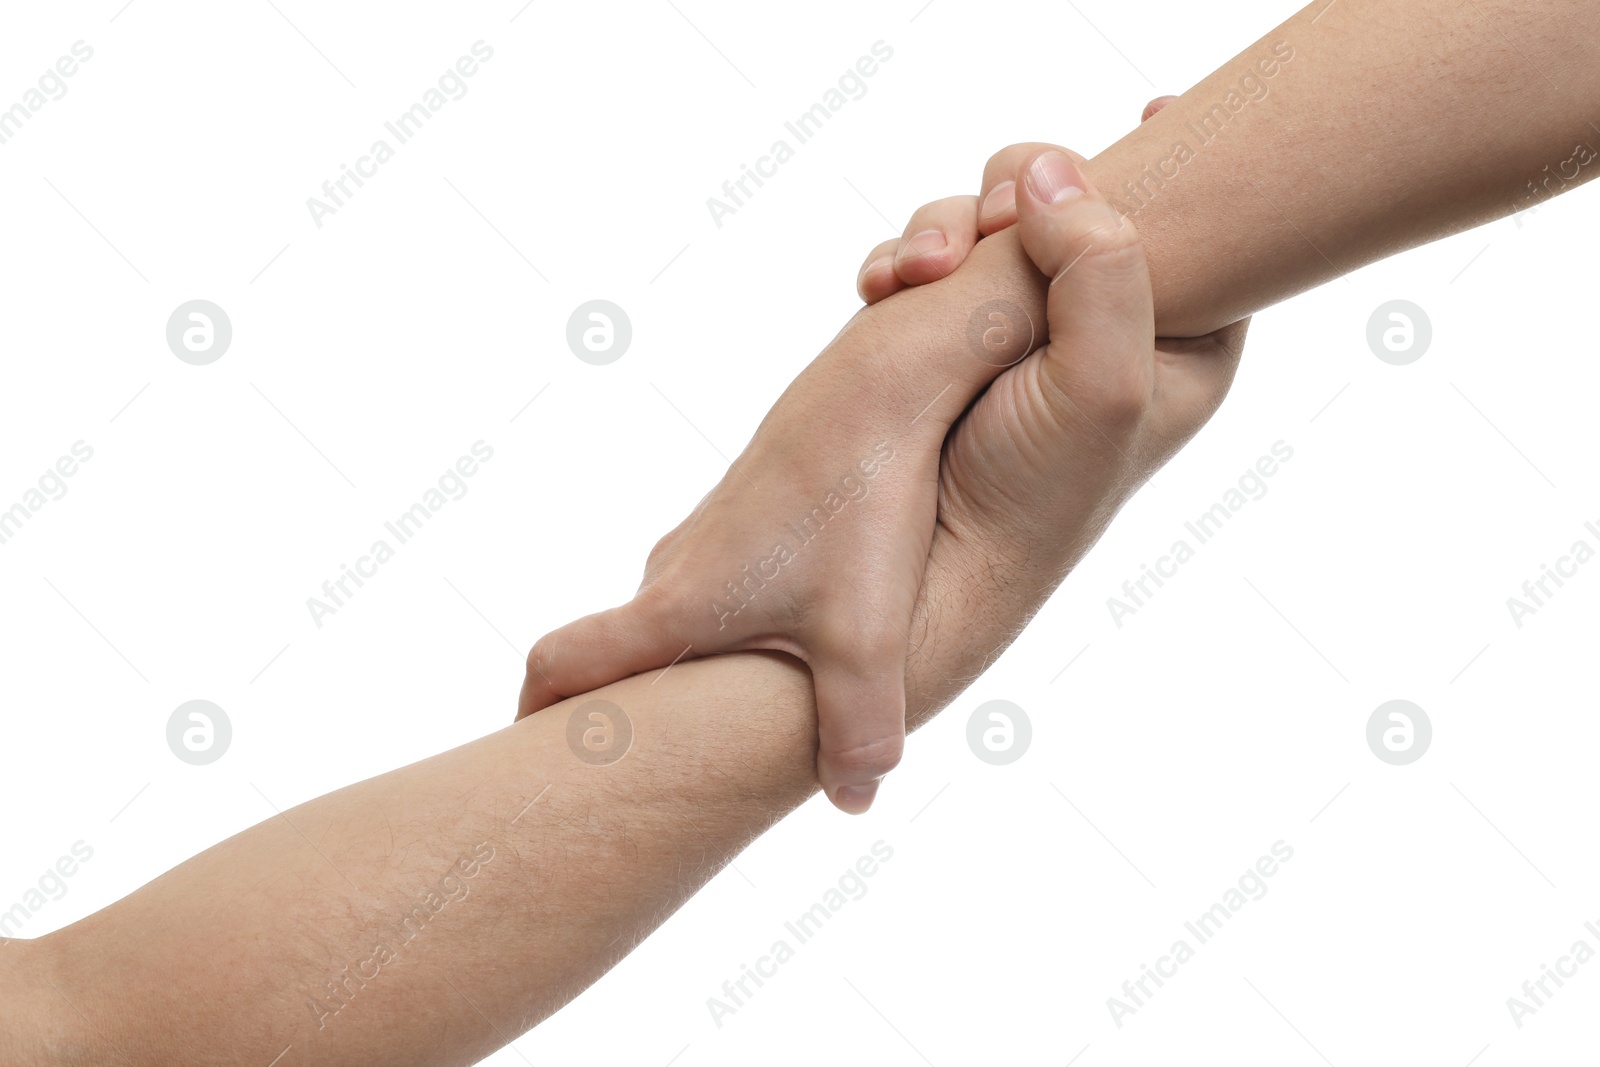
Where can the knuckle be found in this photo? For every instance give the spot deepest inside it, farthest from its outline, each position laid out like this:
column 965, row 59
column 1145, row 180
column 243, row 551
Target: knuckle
column 1014, row 150
column 541, row 660
column 662, row 550
column 1002, row 165
column 953, row 211
column 669, row 610
column 654, row 601
column 871, row 759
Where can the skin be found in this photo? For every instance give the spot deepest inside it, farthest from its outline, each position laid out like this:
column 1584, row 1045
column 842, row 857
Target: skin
column 206, row 964
column 946, row 231
column 813, row 543
column 548, row 868
column 1395, row 124
column 1290, row 139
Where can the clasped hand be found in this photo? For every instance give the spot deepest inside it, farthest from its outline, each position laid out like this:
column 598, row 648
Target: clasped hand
column 918, row 464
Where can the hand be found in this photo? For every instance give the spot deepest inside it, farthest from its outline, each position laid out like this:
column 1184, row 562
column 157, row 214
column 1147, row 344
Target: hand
column 842, row 605
column 1075, row 428
column 814, row 544
column 942, row 233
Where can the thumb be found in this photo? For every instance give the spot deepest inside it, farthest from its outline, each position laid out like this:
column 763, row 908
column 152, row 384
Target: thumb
column 595, row 650
column 1101, row 356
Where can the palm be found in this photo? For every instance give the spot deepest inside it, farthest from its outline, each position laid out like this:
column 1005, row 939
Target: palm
column 1017, row 453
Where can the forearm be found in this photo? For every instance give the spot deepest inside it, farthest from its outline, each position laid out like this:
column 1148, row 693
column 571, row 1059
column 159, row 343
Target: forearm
column 1393, row 124
column 304, row 932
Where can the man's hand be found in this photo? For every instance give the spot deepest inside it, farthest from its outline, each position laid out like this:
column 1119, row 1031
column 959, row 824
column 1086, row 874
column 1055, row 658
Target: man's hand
column 282, row 936
column 941, row 234
column 813, row 544
column 815, row 541
column 1034, row 472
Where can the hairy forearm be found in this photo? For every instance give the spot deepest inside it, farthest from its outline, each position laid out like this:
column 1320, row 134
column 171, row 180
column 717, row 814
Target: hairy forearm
column 269, row 943
column 315, row 931
column 431, row 914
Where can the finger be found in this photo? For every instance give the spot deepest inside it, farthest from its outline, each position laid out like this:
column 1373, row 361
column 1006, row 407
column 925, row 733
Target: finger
column 1193, row 377
column 877, row 278
column 1002, row 169
column 1100, row 311
column 998, row 208
column 1154, row 106
column 861, row 724
column 1231, row 338
column 937, row 239
column 595, row 650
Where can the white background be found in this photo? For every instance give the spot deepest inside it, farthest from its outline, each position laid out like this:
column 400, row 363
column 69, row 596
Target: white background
column 1228, row 714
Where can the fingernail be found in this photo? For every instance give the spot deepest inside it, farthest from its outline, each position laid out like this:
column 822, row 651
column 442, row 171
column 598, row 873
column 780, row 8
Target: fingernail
column 1000, row 200
column 855, row 799
column 884, row 263
column 1053, row 178
column 1155, row 106
column 922, row 244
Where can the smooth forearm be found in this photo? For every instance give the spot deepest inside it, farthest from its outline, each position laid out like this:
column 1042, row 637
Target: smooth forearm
column 1391, row 125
